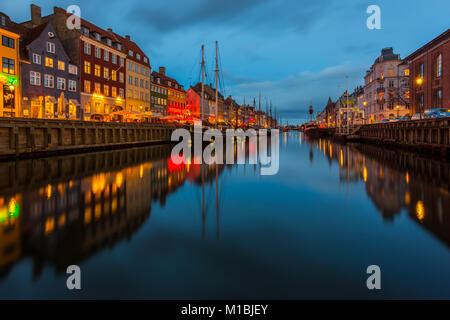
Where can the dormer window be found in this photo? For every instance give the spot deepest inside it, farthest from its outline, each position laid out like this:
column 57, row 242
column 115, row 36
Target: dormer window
column 97, row 37
column 145, row 59
column 3, row 20
column 138, row 56
column 85, row 31
column 108, row 41
column 130, row 53
column 119, row 46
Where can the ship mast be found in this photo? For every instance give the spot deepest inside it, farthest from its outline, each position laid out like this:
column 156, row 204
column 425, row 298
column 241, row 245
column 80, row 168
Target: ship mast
column 203, row 83
column 217, row 93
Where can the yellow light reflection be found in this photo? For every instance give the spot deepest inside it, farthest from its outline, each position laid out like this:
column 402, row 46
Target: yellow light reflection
column 420, row 210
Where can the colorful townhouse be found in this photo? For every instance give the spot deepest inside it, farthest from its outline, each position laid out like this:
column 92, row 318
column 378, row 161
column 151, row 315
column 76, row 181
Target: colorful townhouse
column 208, row 112
column 50, row 87
column 10, row 89
column 158, row 99
column 173, row 94
column 138, row 81
column 101, row 59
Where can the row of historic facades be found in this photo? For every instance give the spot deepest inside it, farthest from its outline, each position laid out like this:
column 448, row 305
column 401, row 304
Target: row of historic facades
column 395, row 87
column 52, row 71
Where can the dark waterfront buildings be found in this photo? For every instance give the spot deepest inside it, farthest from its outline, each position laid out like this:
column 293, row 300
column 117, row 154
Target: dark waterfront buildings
column 430, row 74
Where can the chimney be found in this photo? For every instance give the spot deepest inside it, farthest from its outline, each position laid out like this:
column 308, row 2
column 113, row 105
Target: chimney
column 35, row 14
column 109, row 30
column 162, row 70
column 127, row 37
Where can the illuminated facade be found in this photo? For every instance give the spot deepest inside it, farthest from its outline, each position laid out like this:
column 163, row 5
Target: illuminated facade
column 10, row 89
column 50, row 87
column 175, row 103
column 138, row 79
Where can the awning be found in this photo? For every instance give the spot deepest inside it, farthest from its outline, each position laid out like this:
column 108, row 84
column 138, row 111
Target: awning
column 51, row 99
column 74, row 101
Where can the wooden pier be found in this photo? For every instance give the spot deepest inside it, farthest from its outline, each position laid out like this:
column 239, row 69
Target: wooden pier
column 42, row 137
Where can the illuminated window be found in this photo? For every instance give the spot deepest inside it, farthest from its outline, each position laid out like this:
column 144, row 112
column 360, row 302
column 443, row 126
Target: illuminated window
column 48, row 62
column 106, row 73
column 407, row 72
column 87, row 86
column 97, row 70
column 391, row 72
column 61, row 65
column 106, row 90
column 113, row 75
column 97, row 88
column 407, row 94
column 113, row 92
column 87, row 67
column 382, row 75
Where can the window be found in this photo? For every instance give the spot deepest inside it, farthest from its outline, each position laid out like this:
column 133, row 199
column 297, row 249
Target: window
column 87, row 48
column 420, row 70
column 106, row 73
column 145, row 59
column 391, row 72
column 130, row 53
column 8, row 66
column 437, row 98
column 85, row 31
column 438, row 66
column 87, row 86
column 3, row 20
column 130, row 80
column 36, row 58
column 136, row 68
column 121, row 77
column 61, row 83
column 97, row 88
column 122, row 62
column 50, row 47
column 106, row 90
column 7, row 42
column 113, row 58
column 48, row 81
column 136, row 82
column 146, row 84
column 97, row 70
column 138, row 56
column 73, row 69
column 113, row 92
column 114, row 75
column 406, row 72
column 87, row 67
column 382, row 75
column 108, row 42
column 72, row 85
column 130, row 65
column 35, row 78
column 142, row 83
column 61, row 65
column 105, row 55
column 121, row 93
column 407, row 94
column 98, row 52
column 48, row 62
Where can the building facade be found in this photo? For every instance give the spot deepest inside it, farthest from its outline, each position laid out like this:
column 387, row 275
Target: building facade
column 430, row 74
column 168, row 96
column 50, row 87
column 138, row 79
column 158, row 99
column 101, row 60
column 386, row 88
column 10, row 82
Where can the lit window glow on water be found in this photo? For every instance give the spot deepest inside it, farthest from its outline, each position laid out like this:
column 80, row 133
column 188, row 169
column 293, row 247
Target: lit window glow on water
column 141, row 226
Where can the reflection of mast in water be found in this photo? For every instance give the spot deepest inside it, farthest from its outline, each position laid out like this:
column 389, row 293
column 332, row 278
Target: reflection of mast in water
column 217, row 203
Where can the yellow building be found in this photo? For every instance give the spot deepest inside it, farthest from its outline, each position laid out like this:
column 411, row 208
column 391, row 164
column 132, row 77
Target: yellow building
column 138, row 82
column 9, row 74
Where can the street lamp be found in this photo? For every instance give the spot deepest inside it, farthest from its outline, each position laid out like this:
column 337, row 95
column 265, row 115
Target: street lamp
column 419, row 81
column 398, row 110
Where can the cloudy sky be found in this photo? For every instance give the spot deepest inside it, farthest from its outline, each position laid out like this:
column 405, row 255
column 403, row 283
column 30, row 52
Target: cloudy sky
column 295, row 52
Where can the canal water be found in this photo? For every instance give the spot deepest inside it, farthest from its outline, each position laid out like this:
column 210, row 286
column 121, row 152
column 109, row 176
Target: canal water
column 140, row 226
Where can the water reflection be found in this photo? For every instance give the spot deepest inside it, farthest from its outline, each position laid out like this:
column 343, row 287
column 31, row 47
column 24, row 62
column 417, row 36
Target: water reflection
column 49, row 213
column 395, row 181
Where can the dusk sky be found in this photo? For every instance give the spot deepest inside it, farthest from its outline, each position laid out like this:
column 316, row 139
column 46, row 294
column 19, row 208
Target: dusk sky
column 295, row 52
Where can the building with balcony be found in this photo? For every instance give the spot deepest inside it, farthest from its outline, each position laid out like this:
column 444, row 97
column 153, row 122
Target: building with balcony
column 386, row 88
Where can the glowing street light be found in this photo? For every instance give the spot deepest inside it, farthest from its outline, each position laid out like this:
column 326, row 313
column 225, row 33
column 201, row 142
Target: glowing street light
column 419, row 81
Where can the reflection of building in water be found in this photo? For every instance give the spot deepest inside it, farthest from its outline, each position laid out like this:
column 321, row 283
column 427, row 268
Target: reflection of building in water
column 66, row 222
column 395, row 181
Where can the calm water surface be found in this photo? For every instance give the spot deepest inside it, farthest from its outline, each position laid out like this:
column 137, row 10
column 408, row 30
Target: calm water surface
column 138, row 227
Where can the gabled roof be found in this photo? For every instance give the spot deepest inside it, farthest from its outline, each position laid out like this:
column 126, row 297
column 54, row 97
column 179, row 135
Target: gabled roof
column 131, row 45
column 209, row 91
column 164, row 81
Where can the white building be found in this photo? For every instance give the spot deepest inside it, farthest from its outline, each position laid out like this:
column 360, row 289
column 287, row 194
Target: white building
column 386, row 88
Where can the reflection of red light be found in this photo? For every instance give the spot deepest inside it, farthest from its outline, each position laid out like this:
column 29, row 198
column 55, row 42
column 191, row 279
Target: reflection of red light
column 176, row 163
column 251, row 147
